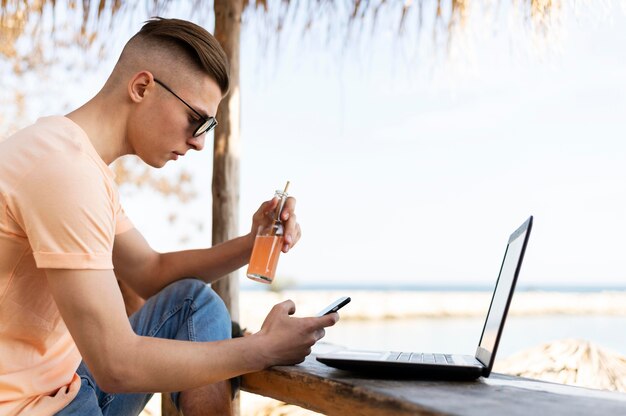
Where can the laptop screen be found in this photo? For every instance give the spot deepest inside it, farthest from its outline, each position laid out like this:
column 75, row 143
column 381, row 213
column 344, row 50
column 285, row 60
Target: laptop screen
column 503, row 294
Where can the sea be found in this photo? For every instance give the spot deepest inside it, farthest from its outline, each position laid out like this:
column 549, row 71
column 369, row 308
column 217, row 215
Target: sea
column 461, row 334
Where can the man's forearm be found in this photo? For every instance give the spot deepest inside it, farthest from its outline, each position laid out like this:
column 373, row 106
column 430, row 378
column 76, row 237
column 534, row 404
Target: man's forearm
column 207, row 264
column 182, row 365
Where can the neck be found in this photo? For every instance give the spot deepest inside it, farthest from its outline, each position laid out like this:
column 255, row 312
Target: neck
column 106, row 130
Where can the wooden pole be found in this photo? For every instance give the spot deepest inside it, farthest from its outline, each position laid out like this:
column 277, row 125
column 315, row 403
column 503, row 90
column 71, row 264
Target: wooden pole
column 226, row 153
column 226, row 147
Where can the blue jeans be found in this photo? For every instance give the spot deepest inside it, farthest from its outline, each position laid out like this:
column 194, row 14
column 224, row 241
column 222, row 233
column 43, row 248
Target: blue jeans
column 185, row 310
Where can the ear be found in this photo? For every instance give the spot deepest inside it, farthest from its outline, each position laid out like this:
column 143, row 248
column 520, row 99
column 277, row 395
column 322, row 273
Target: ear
column 139, row 85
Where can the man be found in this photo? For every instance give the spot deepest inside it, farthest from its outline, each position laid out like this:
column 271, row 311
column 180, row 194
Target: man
column 66, row 344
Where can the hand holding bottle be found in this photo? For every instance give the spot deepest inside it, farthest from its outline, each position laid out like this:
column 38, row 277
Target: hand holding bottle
column 275, row 228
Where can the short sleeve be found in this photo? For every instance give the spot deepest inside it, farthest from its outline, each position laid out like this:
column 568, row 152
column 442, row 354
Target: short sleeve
column 123, row 223
column 67, row 207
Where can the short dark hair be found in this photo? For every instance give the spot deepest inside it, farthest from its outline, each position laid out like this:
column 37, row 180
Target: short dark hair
column 198, row 44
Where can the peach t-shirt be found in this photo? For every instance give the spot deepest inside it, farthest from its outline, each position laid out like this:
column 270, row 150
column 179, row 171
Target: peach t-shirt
column 59, row 208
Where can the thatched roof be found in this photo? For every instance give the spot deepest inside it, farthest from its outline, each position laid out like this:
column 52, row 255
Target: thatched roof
column 570, row 361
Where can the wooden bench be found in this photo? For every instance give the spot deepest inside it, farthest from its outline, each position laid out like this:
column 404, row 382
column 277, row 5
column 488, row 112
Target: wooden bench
column 314, row 386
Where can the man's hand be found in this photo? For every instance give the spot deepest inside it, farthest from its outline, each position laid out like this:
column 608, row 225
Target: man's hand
column 285, row 340
column 263, row 217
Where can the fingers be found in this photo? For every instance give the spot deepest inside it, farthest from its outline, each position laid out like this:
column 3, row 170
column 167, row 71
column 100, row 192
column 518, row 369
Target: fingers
column 269, row 206
column 287, row 306
column 292, row 231
column 289, row 340
column 265, row 209
column 328, row 320
column 316, row 330
column 292, row 235
column 288, row 209
column 319, row 334
column 317, row 324
column 263, row 214
column 303, row 356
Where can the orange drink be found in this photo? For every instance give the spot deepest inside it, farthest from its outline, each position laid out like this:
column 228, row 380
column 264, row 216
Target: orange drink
column 267, row 244
column 264, row 259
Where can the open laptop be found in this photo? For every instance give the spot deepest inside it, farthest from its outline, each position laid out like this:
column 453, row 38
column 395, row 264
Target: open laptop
column 448, row 366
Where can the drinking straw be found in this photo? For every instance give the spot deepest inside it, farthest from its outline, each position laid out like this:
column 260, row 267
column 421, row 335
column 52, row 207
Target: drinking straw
column 279, row 209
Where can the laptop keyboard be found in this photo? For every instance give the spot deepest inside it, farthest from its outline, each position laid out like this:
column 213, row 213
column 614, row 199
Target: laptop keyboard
column 419, row 357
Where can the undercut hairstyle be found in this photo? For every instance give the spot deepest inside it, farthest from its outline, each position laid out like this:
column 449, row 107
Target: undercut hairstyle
column 200, row 47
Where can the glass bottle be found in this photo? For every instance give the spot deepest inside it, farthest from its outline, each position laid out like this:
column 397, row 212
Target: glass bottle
column 268, row 244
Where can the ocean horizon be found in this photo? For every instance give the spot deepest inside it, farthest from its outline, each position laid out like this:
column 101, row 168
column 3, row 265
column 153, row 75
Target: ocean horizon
column 440, row 287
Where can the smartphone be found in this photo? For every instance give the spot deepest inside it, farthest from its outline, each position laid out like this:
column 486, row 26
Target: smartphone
column 335, row 306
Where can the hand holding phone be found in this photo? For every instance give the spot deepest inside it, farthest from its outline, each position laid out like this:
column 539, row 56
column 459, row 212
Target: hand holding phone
column 335, row 306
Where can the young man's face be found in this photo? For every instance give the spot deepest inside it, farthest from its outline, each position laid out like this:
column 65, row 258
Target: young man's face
column 164, row 124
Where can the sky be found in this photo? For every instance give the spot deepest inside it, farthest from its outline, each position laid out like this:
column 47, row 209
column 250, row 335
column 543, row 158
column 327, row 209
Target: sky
column 419, row 176
column 411, row 168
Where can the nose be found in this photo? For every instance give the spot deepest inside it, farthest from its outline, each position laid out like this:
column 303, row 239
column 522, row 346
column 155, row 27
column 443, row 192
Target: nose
column 197, row 143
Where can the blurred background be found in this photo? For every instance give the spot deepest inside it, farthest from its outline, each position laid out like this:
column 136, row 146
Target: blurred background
column 417, row 136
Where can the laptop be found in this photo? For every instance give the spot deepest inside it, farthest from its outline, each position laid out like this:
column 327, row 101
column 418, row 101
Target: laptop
column 448, row 366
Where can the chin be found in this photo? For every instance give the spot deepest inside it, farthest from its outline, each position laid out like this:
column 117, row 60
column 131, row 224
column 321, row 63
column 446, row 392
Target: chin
column 153, row 163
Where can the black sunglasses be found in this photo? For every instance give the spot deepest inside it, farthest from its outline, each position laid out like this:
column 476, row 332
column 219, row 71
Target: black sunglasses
column 207, row 124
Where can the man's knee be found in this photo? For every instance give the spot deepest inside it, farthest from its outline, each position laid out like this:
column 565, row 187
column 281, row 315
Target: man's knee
column 196, row 291
column 206, row 305
column 204, row 296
